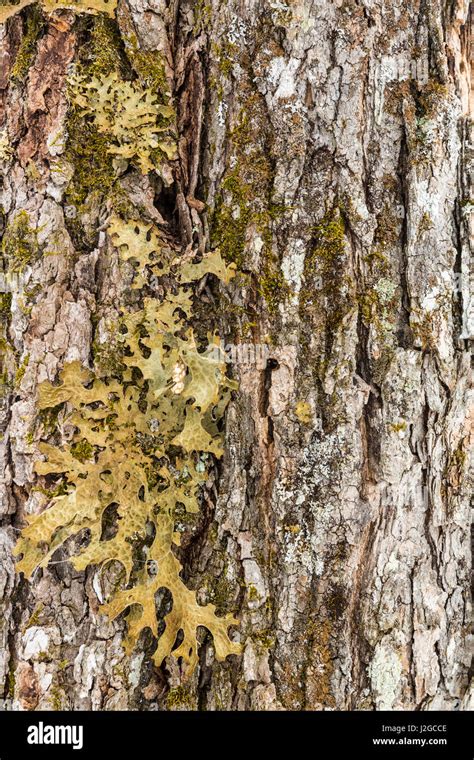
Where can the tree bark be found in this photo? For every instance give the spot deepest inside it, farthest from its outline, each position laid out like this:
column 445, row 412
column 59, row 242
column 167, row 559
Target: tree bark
column 324, row 148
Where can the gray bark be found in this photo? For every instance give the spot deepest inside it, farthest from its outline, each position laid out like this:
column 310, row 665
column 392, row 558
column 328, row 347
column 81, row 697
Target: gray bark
column 336, row 527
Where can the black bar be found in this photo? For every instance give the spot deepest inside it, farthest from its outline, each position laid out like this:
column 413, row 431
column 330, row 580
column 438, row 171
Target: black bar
column 313, row 734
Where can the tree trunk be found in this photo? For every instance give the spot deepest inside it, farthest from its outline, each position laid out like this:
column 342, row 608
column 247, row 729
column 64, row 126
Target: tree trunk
column 324, row 149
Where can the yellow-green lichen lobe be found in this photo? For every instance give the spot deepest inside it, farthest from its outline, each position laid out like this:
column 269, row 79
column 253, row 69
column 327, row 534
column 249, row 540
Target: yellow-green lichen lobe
column 140, row 449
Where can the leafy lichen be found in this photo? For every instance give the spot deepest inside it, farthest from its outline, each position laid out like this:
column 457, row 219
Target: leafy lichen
column 8, row 10
column 118, row 115
column 142, row 425
column 139, row 444
column 136, row 125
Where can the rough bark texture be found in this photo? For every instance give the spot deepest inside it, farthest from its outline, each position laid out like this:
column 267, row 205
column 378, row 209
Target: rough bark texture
column 336, row 526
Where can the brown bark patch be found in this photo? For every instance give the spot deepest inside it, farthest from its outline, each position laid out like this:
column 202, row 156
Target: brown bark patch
column 28, row 687
column 45, row 97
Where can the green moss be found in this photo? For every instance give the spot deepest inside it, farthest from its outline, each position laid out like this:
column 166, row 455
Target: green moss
column 330, row 237
column 376, row 259
column 51, row 493
column 327, row 254
column 150, row 67
column 457, row 460
column 326, row 285
column 421, row 326
column 20, row 245
column 430, row 98
column 368, row 302
column 388, row 228
column 281, row 15
column 20, row 373
column 230, row 223
column 264, row 640
column 322, row 659
column 273, row 286
column 379, row 300
column 32, row 172
column 179, row 698
column 35, row 617
column 94, row 176
column 246, row 202
column 202, row 11
column 105, row 46
column 225, row 54
column 82, row 450
column 222, row 591
column 55, row 698
column 226, row 66
column 426, row 224
column 34, row 25
column 107, row 358
column 252, row 593
column 303, row 412
column 31, row 293
column 459, row 457
column 397, row 427
column 119, row 672
column 5, row 305
column 48, row 420
column 87, row 150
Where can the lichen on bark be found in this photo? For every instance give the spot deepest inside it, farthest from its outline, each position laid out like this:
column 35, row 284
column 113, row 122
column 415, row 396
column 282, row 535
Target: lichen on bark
column 335, row 525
